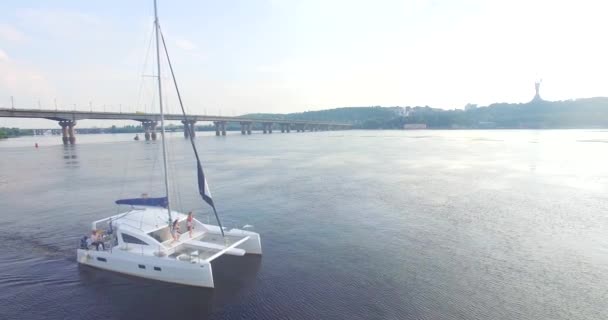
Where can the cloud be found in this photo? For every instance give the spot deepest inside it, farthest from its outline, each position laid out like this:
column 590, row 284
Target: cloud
column 185, row 44
column 11, row 34
column 189, row 47
column 22, row 81
column 58, row 22
column 3, row 56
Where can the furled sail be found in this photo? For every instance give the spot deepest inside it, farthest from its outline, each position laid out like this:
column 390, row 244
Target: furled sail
column 149, row 202
column 203, row 187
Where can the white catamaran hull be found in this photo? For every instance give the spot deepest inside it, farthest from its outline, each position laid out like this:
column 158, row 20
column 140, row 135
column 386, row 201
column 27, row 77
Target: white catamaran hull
column 150, row 267
column 140, row 261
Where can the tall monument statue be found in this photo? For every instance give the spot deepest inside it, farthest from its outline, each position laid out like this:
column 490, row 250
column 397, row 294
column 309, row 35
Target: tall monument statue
column 537, row 88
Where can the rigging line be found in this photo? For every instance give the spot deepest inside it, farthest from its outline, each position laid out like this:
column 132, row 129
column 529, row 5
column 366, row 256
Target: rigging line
column 155, row 151
column 173, row 168
column 143, row 67
column 125, row 174
column 172, row 162
column 162, row 115
column 191, row 134
column 152, row 150
column 171, row 155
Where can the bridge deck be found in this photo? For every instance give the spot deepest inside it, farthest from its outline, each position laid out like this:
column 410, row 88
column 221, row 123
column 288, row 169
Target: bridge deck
column 64, row 115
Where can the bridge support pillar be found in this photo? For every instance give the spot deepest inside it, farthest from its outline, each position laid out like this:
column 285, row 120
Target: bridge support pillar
column 71, row 132
column 189, row 128
column 220, row 127
column 153, row 130
column 146, row 131
column 288, row 127
column 249, row 128
column 217, row 128
column 264, row 128
column 269, row 126
column 64, row 133
column 149, row 129
column 68, row 135
column 244, row 128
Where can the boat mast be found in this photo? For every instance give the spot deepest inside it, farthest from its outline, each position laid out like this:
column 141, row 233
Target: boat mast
column 162, row 115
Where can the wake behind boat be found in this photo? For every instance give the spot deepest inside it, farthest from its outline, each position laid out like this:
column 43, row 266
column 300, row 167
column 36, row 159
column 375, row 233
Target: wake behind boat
column 146, row 240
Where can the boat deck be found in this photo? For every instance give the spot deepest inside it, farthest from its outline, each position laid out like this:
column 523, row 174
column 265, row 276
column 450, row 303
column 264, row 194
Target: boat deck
column 182, row 246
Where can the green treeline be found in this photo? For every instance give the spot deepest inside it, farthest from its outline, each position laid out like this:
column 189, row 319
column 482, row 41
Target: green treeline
column 125, row 129
column 361, row 117
column 14, row 132
column 580, row 113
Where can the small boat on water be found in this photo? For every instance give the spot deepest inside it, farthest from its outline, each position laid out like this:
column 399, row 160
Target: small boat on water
column 146, row 241
column 136, row 138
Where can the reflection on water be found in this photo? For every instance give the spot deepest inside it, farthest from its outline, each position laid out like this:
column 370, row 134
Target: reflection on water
column 70, row 155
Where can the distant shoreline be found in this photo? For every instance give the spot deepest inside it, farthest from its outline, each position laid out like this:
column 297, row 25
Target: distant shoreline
column 355, row 129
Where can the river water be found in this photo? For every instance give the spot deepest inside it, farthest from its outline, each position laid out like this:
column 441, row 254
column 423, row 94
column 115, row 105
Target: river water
column 354, row 225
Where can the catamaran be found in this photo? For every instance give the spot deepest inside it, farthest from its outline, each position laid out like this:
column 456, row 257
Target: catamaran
column 145, row 241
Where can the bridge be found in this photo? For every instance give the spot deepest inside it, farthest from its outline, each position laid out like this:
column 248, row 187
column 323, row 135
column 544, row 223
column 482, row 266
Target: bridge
column 68, row 119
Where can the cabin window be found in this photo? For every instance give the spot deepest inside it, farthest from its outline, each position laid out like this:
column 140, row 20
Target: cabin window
column 131, row 239
column 141, row 266
column 157, row 269
column 102, row 259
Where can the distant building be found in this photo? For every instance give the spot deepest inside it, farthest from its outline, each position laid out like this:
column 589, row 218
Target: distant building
column 405, row 111
column 537, row 89
column 400, row 111
column 470, row 106
column 414, row 126
column 408, row 111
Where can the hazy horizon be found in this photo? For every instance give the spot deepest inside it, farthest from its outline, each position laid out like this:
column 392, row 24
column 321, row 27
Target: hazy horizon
column 292, row 56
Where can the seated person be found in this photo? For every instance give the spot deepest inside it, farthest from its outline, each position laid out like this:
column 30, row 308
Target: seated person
column 85, row 242
column 97, row 239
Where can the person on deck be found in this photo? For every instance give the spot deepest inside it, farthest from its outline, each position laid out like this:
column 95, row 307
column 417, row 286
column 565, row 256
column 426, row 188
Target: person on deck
column 110, row 227
column 85, row 242
column 175, row 230
column 190, row 223
column 97, row 239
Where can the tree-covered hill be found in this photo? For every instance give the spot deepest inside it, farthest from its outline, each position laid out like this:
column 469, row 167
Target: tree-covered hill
column 579, row 113
column 358, row 116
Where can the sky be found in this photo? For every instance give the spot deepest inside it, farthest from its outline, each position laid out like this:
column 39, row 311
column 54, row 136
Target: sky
column 270, row 56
